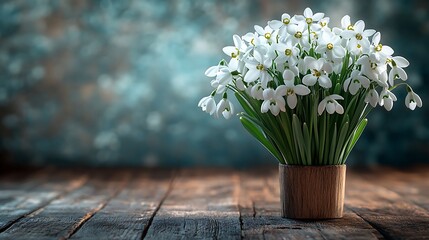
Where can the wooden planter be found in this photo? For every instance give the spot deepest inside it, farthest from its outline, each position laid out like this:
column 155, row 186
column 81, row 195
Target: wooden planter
column 312, row 192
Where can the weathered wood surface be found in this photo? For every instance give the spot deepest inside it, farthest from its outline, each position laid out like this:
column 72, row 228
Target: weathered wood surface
column 52, row 203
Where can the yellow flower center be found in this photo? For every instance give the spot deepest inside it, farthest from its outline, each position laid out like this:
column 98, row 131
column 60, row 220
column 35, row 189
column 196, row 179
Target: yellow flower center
column 309, row 20
column 322, row 24
column 358, row 46
column 286, row 21
column 350, row 27
column 235, row 54
column 378, row 47
column 330, row 46
column 252, row 41
column 289, row 91
column 267, row 35
column 358, row 36
column 373, row 65
column 288, row 52
column 298, row 34
column 316, row 73
column 260, row 67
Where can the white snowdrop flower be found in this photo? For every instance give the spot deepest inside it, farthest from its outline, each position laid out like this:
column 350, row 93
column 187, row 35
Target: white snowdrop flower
column 287, row 52
column 254, row 42
column 372, row 70
column 274, row 100
column 299, row 34
column 282, row 25
column 379, row 52
column 331, row 105
column 240, row 84
column 319, row 72
column 309, row 18
column 386, row 99
column 412, row 100
column 236, row 53
column 258, row 67
column 212, row 71
column 266, row 34
column 355, row 82
column 372, row 97
column 397, row 64
column 324, row 24
column 256, row 91
column 330, row 44
column 224, row 76
column 358, row 37
column 225, row 108
column 208, row 104
column 236, row 50
column 292, row 90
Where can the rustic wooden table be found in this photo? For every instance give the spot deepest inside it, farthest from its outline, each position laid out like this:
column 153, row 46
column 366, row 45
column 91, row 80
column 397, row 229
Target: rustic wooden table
column 201, row 203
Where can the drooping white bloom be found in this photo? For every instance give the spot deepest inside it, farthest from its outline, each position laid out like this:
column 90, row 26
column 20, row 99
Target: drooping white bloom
column 274, row 100
column 397, row 64
column 372, row 70
column 319, row 72
column 225, row 108
column 412, row 100
column 379, row 52
column 208, row 104
column 258, row 69
column 292, row 90
column 355, row 82
column 256, row 91
column 386, row 99
column 372, row 97
column 331, row 105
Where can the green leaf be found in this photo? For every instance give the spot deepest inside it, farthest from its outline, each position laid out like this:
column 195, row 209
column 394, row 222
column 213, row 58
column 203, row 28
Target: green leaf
column 356, row 136
column 333, row 145
column 245, row 105
column 255, row 132
column 299, row 138
column 307, row 141
column 341, row 143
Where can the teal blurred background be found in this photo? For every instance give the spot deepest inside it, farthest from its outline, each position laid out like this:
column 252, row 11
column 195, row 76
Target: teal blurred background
column 107, row 82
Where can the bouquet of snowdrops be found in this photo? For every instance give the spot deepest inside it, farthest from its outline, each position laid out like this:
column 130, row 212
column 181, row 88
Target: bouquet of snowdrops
column 306, row 88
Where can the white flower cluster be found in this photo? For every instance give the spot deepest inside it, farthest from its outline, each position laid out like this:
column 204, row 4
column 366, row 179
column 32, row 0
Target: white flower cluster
column 301, row 56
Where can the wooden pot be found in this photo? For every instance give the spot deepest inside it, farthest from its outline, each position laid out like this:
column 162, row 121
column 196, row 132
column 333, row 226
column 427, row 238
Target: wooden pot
column 312, row 192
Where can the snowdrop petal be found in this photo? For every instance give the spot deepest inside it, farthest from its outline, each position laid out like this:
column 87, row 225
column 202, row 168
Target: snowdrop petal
column 292, row 101
column 401, row 61
column 318, row 16
column 330, row 107
column 339, row 109
column 321, row 107
column 309, row 80
column 288, row 75
column 325, row 82
column 252, row 75
column 275, row 24
column 212, row 71
column 402, row 74
column 308, row 13
column 301, row 90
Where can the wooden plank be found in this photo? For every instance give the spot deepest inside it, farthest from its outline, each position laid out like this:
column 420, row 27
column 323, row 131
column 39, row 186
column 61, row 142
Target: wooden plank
column 127, row 215
column 26, row 194
column 63, row 216
column 201, row 205
column 412, row 185
column 387, row 211
column 260, row 214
